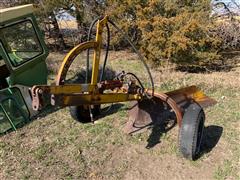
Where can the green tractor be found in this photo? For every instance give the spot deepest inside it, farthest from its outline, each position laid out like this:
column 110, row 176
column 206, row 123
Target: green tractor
column 22, row 64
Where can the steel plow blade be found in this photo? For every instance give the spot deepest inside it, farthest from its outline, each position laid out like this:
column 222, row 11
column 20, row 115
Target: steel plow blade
column 192, row 93
column 164, row 109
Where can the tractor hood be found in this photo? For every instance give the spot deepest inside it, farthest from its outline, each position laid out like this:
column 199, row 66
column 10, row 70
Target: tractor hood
column 22, row 46
column 15, row 12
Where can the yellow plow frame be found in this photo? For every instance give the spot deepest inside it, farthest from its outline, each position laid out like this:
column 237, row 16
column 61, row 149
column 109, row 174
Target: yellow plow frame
column 93, row 93
column 85, row 99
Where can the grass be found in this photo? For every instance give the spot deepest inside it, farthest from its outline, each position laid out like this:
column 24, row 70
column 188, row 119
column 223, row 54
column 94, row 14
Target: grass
column 56, row 147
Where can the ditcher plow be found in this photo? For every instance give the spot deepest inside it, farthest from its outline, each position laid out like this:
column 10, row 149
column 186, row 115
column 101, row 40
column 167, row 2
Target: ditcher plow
column 85, row 99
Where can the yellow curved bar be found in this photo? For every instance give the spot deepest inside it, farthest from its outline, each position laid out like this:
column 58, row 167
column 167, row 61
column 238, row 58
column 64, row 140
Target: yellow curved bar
column 69, row 58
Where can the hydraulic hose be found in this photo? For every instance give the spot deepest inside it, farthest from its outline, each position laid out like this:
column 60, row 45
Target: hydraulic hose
column 137, row 52
column 107, row 52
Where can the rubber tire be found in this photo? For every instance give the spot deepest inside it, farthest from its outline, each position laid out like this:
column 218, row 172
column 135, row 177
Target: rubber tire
column 82, row 115
column 191, row 131
column 79, row 113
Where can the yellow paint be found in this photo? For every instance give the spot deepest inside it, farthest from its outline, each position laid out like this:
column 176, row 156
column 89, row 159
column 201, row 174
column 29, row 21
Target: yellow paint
column 89, row 99
column 198, row 95
column 85, row 94
column 70, row 57
column 97, row 52
column 68, row 89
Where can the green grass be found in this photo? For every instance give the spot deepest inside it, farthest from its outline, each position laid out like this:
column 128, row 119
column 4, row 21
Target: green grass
column 225, row 170
column 57, row 147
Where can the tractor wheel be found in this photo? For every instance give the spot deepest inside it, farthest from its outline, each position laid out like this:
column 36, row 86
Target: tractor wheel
column 82, row 113
column 191, row 131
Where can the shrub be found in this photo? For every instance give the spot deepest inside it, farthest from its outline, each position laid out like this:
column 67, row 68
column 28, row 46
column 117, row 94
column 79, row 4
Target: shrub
column 174, row 30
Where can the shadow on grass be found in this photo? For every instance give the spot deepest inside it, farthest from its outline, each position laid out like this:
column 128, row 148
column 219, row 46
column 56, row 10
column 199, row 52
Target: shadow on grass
column 105, row 111
column 150, row 114
column 211, row 136
column 229, row 60
column 158, row 131
column 46, row 111
column 49, row 109
column 109, row 110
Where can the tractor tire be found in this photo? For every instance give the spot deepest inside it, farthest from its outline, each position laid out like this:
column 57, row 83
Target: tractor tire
column 82, row 113
column 191, row 131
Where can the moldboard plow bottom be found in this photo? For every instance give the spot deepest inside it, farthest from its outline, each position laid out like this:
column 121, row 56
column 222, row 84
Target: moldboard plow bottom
column 145, row 113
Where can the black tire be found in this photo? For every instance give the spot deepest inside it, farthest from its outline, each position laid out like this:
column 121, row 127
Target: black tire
column 191, row 131
column 82, row 113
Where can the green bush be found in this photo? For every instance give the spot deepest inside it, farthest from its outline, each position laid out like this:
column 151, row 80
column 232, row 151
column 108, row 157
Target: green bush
column 177, row 31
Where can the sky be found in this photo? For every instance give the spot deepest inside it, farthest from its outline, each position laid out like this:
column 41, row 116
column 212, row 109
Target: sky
column 230, row 3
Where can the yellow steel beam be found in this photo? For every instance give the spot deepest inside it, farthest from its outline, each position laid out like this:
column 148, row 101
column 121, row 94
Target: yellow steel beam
column 88, row 99
column 97, row 52
column 67, row 89
column 69, row 58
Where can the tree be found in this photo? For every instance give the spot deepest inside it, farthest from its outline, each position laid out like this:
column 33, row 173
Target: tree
column 174, row 30
column 227, row 23
column 45, row 14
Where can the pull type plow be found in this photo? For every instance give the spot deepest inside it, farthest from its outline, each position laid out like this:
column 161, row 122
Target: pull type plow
column 25, row 67
column 84, row 100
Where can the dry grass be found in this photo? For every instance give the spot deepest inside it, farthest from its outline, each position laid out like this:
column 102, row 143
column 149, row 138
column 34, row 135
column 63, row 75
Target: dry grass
column 57, row 147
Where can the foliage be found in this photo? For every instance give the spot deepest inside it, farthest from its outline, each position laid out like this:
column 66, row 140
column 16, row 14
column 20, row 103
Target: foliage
column 174, row 30
column 226, row 18
column 228, row 31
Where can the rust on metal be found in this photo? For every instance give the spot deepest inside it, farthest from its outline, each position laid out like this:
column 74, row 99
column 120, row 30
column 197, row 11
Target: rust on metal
column 82, row 94
column 109, row 85
column 191, row 93
column 146, row 112
column 36, row 95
